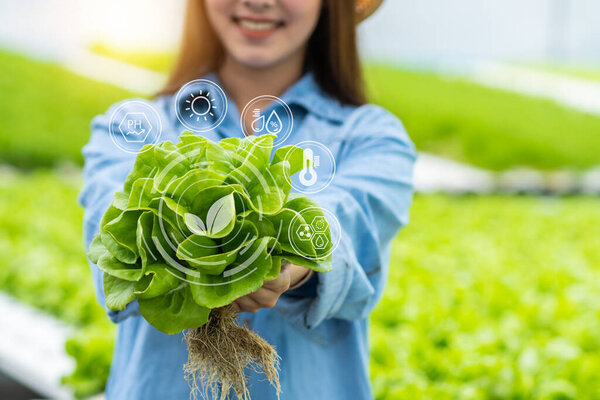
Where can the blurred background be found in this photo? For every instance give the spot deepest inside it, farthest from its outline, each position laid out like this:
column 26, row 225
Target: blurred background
column 494, row 291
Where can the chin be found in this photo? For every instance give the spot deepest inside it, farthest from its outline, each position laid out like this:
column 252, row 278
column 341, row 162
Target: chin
column 255, row 59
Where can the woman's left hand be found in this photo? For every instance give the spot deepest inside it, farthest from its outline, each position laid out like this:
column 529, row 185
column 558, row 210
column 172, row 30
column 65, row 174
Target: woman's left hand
column 269, row 292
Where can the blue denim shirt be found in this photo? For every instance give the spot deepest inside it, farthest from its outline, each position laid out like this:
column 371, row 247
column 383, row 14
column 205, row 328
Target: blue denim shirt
column 320, row 329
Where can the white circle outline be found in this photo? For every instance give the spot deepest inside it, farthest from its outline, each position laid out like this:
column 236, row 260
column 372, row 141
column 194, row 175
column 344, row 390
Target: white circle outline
column 329, row 180
column 288, row 111
column 178, row 111
column 333, row 246
column 111, row 123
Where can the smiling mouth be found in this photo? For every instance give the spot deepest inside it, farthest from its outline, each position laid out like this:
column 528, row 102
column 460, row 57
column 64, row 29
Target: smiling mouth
column 257, row 28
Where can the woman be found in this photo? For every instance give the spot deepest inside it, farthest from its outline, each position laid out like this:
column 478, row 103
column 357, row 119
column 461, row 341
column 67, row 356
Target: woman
column 305, row 52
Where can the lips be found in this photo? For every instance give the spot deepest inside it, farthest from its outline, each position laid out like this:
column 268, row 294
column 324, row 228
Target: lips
column 254, row 28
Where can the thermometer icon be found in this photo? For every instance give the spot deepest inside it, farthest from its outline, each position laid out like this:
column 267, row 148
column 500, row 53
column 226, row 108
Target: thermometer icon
column 308, row 175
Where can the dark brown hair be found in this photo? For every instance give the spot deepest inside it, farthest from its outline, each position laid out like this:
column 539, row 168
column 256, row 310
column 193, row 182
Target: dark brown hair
column 332, row 54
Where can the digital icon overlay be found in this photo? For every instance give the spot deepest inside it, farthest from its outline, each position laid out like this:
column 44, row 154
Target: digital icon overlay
column 308, row 175
column 200, row 105
column 133, row 124
column 318, row 168
column 315, row 232
column 308, row 227
column 269, row 115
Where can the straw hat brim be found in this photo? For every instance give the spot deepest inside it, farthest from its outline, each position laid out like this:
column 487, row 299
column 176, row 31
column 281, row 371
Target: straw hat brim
column 364, row 8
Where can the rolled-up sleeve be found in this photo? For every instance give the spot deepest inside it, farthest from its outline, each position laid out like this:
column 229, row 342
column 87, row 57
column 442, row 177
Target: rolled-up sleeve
column 370, row 196
column 105, row 170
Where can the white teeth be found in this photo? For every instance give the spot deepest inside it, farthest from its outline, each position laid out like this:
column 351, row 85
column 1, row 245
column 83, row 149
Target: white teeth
column 256, row 25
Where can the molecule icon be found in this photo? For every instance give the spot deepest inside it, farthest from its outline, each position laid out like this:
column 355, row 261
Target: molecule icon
column 304, row 232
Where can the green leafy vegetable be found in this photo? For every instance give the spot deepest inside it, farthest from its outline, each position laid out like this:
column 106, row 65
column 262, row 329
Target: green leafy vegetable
column 200, row 224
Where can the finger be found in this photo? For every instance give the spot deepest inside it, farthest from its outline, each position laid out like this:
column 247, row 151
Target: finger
column 265, row 298
column 279, row 284
column 236, row 307
column 246, row 304
column 284, row 270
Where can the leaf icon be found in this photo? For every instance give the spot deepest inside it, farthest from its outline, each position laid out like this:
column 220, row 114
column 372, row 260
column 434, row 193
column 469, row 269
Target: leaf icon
column 194, row 224
column 221, row 216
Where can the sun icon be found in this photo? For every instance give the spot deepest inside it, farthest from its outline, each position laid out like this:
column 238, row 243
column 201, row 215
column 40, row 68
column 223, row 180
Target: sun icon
column 201, row 105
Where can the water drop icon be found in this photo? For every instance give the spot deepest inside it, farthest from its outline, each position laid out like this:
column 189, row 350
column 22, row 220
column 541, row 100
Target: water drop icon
column 319, row 242
column 274, row 125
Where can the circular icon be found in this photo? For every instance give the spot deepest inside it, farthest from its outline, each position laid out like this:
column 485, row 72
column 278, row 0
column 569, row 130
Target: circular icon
column 318, row 168
column 200, row 105
column 134, row 124
column 309, row 230
column 269, row 115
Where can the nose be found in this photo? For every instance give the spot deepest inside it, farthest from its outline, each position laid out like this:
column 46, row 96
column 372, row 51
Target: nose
column 259, row 5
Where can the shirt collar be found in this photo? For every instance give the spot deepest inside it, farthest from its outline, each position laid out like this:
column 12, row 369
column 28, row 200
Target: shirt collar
column 305, row 93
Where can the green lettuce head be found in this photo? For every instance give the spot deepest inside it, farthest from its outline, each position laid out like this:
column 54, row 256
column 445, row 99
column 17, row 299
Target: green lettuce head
column 200, row 224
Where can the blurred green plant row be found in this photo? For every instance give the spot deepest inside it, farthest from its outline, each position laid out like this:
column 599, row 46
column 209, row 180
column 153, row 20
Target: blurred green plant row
column 489, row 297
column 46, row 119
column 43, row 264
column 492, row 297
column 569, row 70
